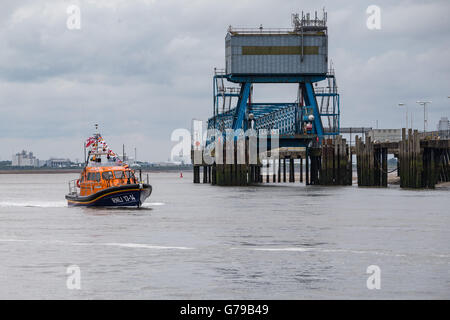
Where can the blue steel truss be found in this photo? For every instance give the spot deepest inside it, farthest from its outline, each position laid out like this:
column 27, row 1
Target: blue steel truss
column 233, row 107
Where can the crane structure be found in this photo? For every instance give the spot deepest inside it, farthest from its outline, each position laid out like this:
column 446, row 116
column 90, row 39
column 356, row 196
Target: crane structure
column 247, row 140
column 298, row 55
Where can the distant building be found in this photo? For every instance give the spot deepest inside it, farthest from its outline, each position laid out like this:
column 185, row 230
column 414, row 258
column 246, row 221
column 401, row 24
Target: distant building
column 443, row 124
column 385, row 135
column 58, row 163
column 24, row 159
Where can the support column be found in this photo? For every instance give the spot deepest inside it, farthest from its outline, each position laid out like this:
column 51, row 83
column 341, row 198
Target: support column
column 205, row 174
column 274, row 172
column 213, row 174
column 307, row 167
column 432, row 180
column 301, row 169
column 384, row 172
column 377, row 167
column 291, row 170
column 279, row 170
column 313, row 176
column 196, row 174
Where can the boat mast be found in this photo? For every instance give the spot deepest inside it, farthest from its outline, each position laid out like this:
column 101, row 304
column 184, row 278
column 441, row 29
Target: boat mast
column 96, row 135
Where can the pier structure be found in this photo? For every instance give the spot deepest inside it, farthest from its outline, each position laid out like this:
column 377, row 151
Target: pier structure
column 422, row 161
column 249, row 142
column 282, row 133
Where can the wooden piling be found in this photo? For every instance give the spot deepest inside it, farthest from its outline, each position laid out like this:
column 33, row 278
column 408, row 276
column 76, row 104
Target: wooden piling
column 307, row 167
column 196, row 174
column 422, row 163
column 371, row 162
column 291, row 170
column 384, row 167
column 301, row 169
column 279, row 170
column 274, row 177
column 331, row 165
column 205, row 174
column 213, row 174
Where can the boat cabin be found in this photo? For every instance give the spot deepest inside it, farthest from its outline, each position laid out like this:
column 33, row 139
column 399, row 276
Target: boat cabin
column 103, row 172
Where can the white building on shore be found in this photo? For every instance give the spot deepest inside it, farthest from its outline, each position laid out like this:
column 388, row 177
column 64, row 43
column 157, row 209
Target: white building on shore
column 385, row 135
column 58, row 163
column 443, row 124
column 24, row 159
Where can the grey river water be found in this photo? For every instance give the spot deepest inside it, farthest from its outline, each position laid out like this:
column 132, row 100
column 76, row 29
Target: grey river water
column 275, row 241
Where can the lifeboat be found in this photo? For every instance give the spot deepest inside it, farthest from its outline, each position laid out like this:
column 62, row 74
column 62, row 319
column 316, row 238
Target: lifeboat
column 107, row 181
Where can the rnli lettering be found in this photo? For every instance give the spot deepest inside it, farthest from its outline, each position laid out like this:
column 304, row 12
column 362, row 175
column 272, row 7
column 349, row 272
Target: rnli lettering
column 123, row 199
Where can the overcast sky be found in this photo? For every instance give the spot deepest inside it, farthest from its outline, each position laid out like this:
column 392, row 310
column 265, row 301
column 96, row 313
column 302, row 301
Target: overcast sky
column 144, row 68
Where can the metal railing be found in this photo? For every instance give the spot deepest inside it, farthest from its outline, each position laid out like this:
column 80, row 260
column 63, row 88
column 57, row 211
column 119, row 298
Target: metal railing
column 442, row 134
column 259, row 30
column 86, row 186
column 270, row 31
column 219, row 71
column 73, row 188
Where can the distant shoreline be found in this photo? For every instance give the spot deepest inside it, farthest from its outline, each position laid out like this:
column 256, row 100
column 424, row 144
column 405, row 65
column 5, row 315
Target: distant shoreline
column 72, row 170
column 27, row 171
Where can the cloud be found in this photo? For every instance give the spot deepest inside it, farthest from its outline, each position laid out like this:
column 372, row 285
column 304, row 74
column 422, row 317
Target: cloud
column 143, row 68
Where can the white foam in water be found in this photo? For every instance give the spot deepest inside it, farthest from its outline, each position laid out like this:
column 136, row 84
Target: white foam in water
column 154, row 204
column 35, row 204
column 297, row 249
column 146, row 246
column 282, row 249
column 116, row 244
column 55, row 204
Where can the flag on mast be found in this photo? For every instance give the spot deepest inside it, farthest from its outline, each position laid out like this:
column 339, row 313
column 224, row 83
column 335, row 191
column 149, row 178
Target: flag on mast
column 89, row 141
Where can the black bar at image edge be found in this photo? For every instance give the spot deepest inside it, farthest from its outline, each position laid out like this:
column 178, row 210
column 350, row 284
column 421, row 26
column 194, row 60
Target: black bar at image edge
column 230, row 309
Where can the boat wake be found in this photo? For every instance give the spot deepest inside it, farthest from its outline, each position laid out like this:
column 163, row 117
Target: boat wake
column 33, row 204
column 283, row 249
column 153, row 204
column 301, row 249
column 57, row 204
column 108, row 244
column 145, row 246
column 268, row 249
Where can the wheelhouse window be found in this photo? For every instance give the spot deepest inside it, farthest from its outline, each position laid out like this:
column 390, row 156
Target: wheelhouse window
column 93, row 176
column 118, row 174
column 107, row 175
column 129, row 174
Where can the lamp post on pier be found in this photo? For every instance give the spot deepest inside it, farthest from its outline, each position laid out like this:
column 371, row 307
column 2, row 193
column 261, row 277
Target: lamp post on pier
column 401, row 104
column 425, row 120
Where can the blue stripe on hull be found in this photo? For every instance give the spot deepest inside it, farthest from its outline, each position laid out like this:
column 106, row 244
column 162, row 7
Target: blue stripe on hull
column 123, row 199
